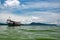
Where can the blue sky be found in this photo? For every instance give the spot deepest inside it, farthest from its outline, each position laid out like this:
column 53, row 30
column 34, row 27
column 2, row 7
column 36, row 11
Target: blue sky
column 27, row 11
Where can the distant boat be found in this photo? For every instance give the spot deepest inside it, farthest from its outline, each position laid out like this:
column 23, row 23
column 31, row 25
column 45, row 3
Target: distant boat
column 13, row 23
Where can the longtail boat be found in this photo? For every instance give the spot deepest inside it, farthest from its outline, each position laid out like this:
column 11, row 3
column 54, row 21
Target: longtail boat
column 13, row 23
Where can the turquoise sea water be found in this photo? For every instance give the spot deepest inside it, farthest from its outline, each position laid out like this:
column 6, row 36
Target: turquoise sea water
column 30, row 33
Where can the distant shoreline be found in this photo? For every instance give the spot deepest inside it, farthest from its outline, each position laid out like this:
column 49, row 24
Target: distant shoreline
column 34, row 24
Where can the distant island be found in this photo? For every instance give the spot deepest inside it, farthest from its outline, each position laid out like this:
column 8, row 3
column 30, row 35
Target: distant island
column 34, row 23
column 3, row 24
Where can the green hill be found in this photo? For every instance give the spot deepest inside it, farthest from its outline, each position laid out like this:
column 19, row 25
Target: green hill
column 3, row 24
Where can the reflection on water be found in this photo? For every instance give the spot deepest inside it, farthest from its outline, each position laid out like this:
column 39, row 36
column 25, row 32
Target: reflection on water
column 30, row 33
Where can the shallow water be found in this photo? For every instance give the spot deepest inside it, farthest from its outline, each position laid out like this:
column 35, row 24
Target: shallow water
column 30, row 33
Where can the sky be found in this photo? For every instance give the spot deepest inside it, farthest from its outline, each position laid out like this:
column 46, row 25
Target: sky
column 27, row 11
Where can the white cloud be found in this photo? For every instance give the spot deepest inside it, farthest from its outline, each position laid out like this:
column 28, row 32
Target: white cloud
column 16, row 4
column 43, row 17
column 23, row 19
column 46, row 17
column 11, row 3
column 42, row 5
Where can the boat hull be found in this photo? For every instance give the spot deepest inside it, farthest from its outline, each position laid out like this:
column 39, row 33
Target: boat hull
column 13, row 23
column 9, row 24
